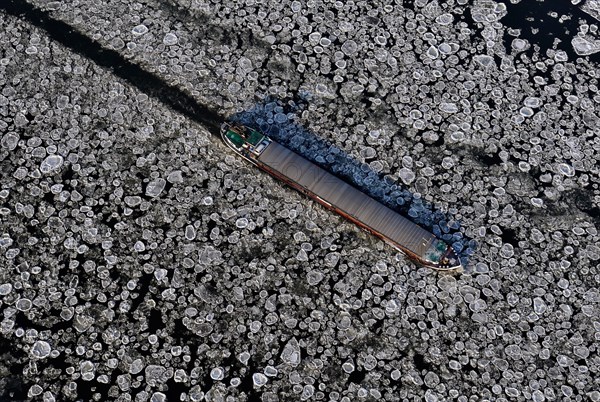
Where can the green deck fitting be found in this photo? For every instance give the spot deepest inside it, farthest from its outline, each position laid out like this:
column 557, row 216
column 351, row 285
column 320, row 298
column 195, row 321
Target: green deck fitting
column 254, row 137
column 237, row 140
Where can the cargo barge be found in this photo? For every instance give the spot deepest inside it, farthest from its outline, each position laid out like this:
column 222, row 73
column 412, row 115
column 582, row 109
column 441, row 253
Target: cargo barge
column 418, row 244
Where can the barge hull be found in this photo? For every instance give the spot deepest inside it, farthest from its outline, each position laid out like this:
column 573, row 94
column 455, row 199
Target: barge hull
column 348, row 201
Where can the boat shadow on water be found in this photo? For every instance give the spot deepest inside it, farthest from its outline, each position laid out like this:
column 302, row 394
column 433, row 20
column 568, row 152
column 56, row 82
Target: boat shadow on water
column 277, row 119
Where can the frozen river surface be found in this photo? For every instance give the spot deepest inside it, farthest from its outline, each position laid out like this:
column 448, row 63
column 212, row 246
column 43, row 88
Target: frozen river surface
column 141, row 260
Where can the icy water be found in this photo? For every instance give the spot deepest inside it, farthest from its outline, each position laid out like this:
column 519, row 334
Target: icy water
column 104, row 56
column 555, row 24
column 140, row 260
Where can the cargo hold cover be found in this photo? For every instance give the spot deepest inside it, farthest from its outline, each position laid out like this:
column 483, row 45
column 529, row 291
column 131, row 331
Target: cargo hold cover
column 347, row 198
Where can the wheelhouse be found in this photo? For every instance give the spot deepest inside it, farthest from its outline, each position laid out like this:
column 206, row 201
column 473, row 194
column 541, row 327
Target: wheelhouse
column 244, row 140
